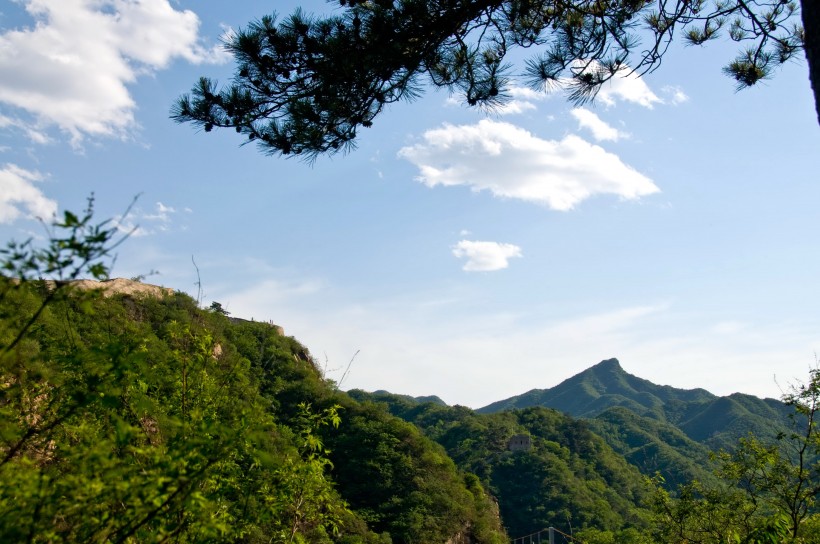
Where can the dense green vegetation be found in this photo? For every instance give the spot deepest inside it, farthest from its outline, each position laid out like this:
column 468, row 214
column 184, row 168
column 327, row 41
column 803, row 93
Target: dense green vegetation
column 656, row 427
column 132, row 418
column 762, row 489
column 568, row 478
column 142, row 418
column 766, row 490
column 654, row 446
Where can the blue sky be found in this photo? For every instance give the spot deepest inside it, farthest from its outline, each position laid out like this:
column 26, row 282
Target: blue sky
column 672, row 224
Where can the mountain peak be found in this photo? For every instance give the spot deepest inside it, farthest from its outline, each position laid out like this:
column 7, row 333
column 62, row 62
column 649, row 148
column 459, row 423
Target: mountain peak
column 598, row 388
column 608, row 364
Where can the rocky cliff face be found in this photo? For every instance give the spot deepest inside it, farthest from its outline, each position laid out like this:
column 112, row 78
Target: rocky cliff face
column 462, row 537
column 120, row 286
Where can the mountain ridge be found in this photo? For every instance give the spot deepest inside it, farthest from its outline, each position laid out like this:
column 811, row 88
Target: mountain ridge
column 657, row 428
column 714, row 421
column 597, row 388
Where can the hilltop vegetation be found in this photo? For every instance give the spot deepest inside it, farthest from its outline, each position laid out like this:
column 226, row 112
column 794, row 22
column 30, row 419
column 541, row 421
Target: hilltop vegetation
column 129, row 418
column 135, row 416
column 141, row 419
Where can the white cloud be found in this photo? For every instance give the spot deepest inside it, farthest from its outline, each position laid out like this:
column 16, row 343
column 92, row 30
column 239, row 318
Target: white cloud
column 163, row 213
column 510, row 162
column 630, row 87
column 17, row 192
column 522, row 100
column 525, row 93
column 600, row 130
column 514, row 107
column 675, row 94
column 625, row 85
column 71, row 69
column 32, row 133
column 485, row 256
column 157, row 221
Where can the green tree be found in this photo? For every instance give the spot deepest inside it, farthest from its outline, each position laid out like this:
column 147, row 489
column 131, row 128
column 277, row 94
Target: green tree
column 784, row 478
column 217, row 308
column 305, row 495
column 766, row 492
column 307, row 84
column 121, row 421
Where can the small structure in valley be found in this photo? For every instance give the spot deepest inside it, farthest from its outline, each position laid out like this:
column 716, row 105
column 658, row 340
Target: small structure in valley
column 520, row 442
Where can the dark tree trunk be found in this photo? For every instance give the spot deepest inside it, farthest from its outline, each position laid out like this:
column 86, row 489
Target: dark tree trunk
column 810, row 10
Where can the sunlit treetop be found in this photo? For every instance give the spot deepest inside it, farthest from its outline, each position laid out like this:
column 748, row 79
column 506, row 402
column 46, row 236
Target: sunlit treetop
column 304, row 85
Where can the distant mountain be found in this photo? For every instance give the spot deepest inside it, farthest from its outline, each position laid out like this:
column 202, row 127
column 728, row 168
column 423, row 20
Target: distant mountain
column 703, row 417
column 579, row 433
column 601, row 387
column 656, row 427
column 421, row 400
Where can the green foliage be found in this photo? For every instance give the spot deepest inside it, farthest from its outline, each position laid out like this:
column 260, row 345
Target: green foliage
column 701, row 514
column 217, row 308
column 767, row 492
column 654, row 446
column 145, row 419
column 401, row 483
column 113, row 430
column 630, row 535
column 569, row 478
column 659, row 429
column 305, row 85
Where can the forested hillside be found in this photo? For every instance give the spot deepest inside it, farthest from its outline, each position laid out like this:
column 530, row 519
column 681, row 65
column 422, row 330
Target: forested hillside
column 129, row 418
column 656, row 427
column 133, row 417
column 568, row 477
column 582, row 475
column 129, row 414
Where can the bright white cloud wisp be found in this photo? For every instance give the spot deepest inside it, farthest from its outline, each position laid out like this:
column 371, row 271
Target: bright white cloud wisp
column 72, row 67
column 675, row 95
column 521, row 100
column 630, row 87
column 600, row 130
column 34, row 135
column 19, row 196
column 511, row 162
column 485, row 256
column 140, row 223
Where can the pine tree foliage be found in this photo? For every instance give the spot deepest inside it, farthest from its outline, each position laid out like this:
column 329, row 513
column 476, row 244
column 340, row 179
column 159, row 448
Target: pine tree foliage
column 305, row 85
